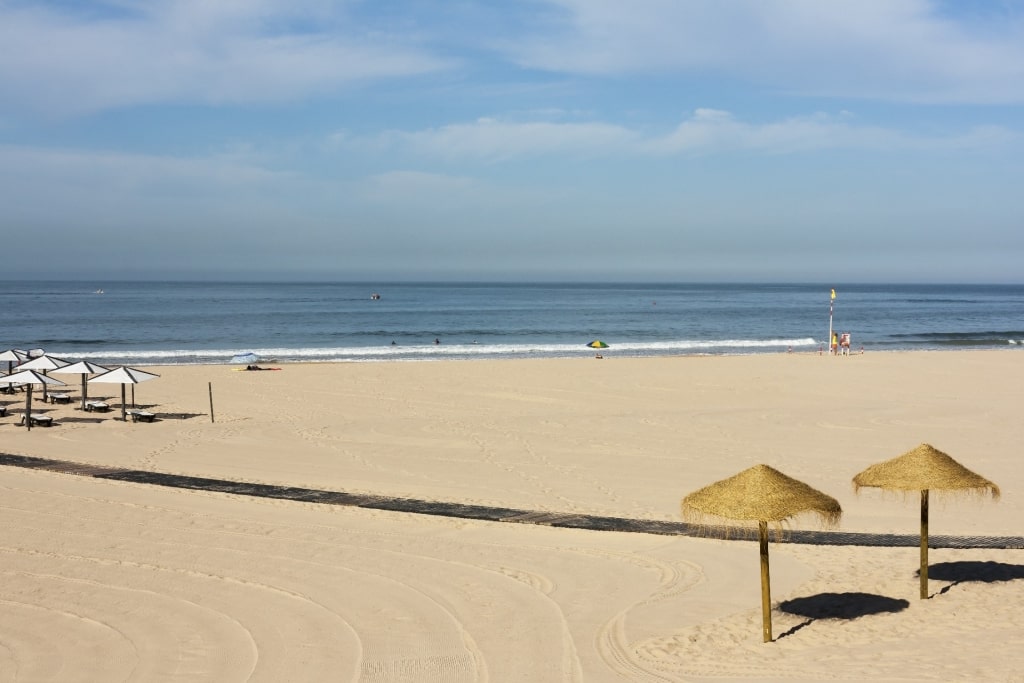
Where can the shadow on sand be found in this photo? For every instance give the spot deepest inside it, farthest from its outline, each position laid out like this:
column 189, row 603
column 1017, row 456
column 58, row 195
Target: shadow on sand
column 973, row 570
column 839, row 606
column 81, row 420
column 179, row 416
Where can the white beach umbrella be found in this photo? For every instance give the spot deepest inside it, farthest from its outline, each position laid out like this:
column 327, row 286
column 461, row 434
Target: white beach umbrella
column 13, row 356
column 83, row 368
column 30, row 378
column 124, row 376
column 44, row 363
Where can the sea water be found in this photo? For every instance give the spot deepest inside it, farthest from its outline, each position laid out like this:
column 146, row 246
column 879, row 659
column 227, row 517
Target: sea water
column 150, row 323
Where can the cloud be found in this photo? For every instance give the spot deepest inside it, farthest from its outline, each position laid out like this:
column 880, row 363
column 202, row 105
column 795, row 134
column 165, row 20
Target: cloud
column 62, row 59
column 64, row 63
column 706, row 131
column 406, row 185
column 897, row 50
column 710, row 130
column 54, row 191
column 495, row 140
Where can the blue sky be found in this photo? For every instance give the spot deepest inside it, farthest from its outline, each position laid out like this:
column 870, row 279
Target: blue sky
column 867, row 141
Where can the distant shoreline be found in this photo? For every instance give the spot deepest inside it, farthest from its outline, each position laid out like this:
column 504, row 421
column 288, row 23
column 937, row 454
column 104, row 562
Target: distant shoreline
column 586, row 357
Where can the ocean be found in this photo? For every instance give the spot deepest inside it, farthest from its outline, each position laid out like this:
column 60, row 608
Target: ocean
column 171, row 323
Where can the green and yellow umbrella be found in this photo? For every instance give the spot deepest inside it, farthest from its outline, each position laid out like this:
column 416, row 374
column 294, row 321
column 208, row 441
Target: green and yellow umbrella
column 598, row 344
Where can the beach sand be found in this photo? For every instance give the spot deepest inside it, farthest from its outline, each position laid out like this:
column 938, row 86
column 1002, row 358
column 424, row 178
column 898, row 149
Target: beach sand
column 109, row 580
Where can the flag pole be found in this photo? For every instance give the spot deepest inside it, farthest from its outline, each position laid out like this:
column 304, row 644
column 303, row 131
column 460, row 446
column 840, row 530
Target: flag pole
column 831, row 305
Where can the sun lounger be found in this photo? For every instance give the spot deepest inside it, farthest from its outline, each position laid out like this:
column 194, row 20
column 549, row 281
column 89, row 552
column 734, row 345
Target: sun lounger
column 39, row 420
column 60, row 398
column 141, row 416
column 98, row 406
column 3, row 411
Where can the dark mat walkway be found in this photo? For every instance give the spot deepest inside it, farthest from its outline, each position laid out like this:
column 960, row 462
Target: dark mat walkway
column 492, row 514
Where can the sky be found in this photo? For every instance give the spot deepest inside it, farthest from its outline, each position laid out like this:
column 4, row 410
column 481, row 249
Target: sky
column 502, row 140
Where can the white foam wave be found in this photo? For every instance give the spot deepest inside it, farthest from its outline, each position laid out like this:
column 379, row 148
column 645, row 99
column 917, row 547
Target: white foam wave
column 439, row 351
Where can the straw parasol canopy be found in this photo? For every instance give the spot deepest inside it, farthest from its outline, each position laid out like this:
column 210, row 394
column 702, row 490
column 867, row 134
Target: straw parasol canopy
column 761, row 494
column 925, row 469
column 764, row 495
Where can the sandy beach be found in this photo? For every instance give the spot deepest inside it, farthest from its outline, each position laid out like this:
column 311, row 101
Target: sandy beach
column 108, row 580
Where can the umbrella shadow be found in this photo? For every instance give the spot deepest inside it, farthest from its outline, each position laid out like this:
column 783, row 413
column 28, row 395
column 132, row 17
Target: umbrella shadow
column 839, row 606
column 973, row 570
column 179, row 416
column 81, row 420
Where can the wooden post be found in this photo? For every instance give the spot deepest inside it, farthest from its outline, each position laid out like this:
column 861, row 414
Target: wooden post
column 924, row 544
column 28, row 408
column 766, row 589
column 210, row 386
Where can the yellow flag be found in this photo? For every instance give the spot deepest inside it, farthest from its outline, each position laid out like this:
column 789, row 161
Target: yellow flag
column 833, row 294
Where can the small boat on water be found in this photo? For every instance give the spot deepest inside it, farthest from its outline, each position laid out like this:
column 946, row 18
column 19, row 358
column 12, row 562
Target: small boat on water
column 375, row 296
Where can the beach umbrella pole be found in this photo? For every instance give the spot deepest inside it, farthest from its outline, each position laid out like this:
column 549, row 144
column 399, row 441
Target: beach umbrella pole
column 124, row 412
column 28, row 408
column 924, row 544
column 766, row 589
column 831, row 306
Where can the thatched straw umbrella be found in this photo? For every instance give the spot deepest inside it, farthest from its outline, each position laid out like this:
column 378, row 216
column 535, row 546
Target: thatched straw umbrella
column 760, row 494
column 925, row 469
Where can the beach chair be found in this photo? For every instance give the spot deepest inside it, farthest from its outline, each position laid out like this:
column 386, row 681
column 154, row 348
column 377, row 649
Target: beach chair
column 3, row 411
column 38, row 420
column 60, row 398
column 98, row 406
column 141, row 416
